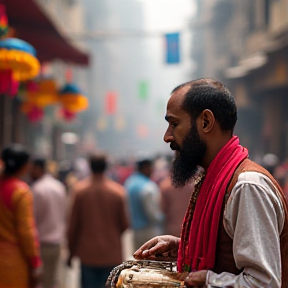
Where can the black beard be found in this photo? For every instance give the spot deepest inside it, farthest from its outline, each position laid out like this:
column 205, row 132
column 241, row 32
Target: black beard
column 187, row 160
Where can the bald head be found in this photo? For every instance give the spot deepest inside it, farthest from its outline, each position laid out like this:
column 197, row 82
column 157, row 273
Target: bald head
column 209, row 94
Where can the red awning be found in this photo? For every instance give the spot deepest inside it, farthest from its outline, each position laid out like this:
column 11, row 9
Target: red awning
column 33, row 26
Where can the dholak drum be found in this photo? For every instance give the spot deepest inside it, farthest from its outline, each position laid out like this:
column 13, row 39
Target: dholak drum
column 146, row 273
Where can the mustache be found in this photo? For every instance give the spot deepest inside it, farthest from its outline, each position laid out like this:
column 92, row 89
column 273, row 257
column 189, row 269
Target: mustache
column 174, row 146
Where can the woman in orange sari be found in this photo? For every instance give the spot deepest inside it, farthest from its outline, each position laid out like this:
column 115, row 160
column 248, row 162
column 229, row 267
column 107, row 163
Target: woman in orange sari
column 20, row 263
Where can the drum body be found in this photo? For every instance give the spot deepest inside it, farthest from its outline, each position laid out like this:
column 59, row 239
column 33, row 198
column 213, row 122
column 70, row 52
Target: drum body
column 150, row 274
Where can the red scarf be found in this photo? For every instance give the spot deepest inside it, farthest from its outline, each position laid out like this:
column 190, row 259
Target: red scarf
column 199, row 252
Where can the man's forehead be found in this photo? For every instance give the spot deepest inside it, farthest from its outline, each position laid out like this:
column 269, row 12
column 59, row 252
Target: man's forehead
column 178, row 96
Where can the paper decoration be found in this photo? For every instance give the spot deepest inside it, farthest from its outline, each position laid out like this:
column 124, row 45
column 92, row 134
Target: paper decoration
column 143, row 90
column 35, row 114
column 71, row 98
column 17, row 63
column 172, row 48
column 119, row 123
column 8, row 85
column 68, row 75
column 67, row 115
column 111, row 103
column 101, row 124
column 19, row 57
column 142, row 131
column 42, row 92
column 3, row 21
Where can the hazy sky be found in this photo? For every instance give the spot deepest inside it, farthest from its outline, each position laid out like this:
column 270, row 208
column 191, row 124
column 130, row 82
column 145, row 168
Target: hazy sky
column 167, row 15
column 121, row 63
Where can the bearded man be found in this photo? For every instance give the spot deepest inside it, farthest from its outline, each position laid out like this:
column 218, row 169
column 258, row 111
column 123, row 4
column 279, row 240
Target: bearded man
column 234, row 232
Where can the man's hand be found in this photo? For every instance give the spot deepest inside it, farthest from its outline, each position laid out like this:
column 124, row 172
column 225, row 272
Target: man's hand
column 162, row 248
column 196, row 279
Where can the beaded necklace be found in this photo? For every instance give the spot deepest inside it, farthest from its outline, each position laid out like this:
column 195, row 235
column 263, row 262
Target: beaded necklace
column 187, row 224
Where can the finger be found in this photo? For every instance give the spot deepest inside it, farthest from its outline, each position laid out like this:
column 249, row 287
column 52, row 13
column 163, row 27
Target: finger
column 197, row 279
column 182, row 276
column 144, row 247
column 154, row 258
column 189, row 281
column 159, row 248
column 148, row 256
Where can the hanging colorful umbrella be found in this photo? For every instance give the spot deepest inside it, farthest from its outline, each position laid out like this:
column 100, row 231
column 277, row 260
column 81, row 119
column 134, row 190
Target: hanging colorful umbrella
column 34, row 113
column 71, row 98
column 42, row 93
column 7, row 83
column 67, row 115
column 18, row 59
column 26, row 107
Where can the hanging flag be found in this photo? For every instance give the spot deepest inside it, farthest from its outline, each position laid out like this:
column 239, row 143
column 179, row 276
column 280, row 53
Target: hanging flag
column 111, row 103
column 143, row 90
column 172, row 48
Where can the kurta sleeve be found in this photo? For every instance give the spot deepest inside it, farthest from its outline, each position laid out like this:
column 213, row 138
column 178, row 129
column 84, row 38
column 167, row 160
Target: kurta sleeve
column 254, row 219
column 25, row 225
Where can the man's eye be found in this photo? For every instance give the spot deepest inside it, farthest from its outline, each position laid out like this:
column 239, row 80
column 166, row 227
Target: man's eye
column 174, row 124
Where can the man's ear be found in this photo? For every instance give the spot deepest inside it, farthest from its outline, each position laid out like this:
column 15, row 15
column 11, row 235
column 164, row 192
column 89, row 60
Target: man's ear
column 207, row 120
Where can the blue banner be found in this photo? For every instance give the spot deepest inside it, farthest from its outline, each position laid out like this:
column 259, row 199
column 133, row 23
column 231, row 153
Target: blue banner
column 172, row 48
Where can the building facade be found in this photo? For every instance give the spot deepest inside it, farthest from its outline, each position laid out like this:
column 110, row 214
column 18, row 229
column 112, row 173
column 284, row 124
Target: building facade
column 40, row 23
column 244, row 44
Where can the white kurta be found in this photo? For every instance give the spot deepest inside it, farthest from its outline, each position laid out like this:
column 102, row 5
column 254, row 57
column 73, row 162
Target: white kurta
column 254, row 219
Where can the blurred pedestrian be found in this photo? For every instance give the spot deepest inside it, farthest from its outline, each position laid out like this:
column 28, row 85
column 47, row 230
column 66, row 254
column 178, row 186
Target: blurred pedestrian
column 65, row 168
column 174, row 202
column 98, row 219
column 270, row 162
column 124, row 170
column 160, row 169
column 50, row 215
column 144, row 203
column 81, row 168
column 281, row 175
column 20, row 263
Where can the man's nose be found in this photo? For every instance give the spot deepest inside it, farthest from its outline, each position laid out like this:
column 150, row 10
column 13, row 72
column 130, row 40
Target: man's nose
column 168, row 137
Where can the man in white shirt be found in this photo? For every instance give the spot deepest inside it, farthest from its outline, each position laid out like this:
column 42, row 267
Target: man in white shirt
column 50, row 215
column 234, row 233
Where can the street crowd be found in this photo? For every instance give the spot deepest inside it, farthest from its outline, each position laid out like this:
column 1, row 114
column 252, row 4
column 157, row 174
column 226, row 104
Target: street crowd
column 83, row 210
